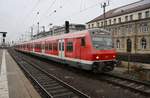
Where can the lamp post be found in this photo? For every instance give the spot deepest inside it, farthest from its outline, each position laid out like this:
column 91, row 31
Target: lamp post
column 129, row 49
column 104, row 5
column 50, row 28
column 38, row 28
column 31, row 33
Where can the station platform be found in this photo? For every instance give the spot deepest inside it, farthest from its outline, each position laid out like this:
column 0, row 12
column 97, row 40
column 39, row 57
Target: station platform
column 13, row 83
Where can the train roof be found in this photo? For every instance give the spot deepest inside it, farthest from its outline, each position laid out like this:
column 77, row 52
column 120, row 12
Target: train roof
column 69, row 35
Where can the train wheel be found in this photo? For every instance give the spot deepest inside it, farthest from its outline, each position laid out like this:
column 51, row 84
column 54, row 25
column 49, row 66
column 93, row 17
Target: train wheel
column 95, row 68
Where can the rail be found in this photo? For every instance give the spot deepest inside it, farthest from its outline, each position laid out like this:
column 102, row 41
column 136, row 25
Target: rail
column 49, row 85
column 134, row 85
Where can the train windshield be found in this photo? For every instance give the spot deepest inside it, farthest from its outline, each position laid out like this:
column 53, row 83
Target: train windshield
column 101, row 39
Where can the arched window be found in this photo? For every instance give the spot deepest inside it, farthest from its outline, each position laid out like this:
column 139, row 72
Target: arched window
column 118, row 44
column 129, row 45
column 143, row 43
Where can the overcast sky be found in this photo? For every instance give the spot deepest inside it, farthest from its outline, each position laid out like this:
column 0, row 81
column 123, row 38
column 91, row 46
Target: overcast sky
column 17, row 16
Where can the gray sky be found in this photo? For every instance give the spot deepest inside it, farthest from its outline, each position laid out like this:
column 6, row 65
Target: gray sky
column 17, row 16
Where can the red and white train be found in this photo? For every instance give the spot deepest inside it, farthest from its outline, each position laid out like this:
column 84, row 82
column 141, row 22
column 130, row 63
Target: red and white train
column 88, row 49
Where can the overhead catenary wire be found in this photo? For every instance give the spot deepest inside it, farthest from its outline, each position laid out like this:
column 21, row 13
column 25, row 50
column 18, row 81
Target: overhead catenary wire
column 49, row 14
column 27, row 15
column 81, row 5
column 80, row 11
column 51, row 5
column 31, row 11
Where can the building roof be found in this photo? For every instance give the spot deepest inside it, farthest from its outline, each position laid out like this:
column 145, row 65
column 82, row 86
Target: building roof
column 133, row 7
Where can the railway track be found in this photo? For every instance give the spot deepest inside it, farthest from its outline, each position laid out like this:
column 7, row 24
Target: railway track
column 49, row 85
column 133, row 85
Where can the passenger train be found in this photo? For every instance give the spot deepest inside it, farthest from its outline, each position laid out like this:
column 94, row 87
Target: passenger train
column 88, row 49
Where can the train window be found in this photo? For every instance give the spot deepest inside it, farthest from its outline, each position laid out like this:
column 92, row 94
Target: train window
column 35, row 45
column 69, row 46
column 40, row 46
column 55, row 46
column 59, row 46
column 28, row 46
column 83, row 42
column 31, row 46
column 63, row 46
column 46, row 46
column 50, row 46
column 43, row 46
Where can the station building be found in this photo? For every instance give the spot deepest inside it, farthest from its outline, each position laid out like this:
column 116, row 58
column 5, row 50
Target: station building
column 130, row 27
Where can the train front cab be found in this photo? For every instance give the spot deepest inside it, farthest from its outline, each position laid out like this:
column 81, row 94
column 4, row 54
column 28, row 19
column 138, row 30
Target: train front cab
column 87, row 53
column 103, row 54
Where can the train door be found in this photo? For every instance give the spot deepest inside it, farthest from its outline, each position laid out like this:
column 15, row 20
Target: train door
column 43, row 46
column 61, row 48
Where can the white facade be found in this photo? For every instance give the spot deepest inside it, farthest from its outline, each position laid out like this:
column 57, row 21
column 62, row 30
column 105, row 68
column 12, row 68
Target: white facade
column 132, row 27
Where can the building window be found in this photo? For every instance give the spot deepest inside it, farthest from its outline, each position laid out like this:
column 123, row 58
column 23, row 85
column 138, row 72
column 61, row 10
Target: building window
column 101, row 23
column 118, row 44
column 145, row 27
column 118, row 30
column 131, row 17
column 139, row 15
column 97, row 24
column 146, row 14
column 115, row 29
column 129, row 45
column 143, row 43
column 89, row 26
column 105, row 22
column 126, row 18
column 114, row 21
column 140, row 27
column 119, row 20
column 92, row 25
column 110, row 22
column 130, row 29
column 126, row 29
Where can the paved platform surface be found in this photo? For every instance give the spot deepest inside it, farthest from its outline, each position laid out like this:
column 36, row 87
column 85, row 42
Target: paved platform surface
column 13, row 83
column 143, row 65
column 1, row 52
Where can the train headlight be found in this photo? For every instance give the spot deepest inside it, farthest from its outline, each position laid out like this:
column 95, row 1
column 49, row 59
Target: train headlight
column 114, row 56
column 97, row 57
